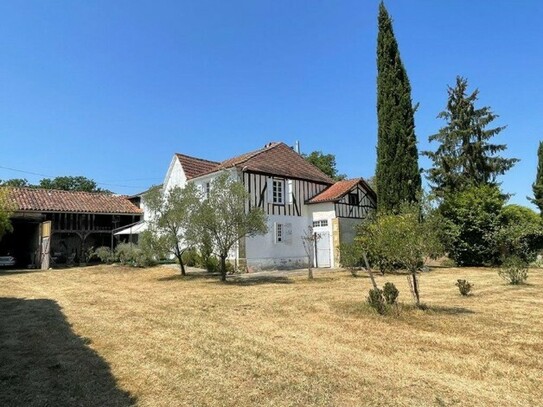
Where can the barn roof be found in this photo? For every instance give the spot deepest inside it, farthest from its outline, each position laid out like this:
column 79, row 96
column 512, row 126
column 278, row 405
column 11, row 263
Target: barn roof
column 52, row 200
column 336, row 191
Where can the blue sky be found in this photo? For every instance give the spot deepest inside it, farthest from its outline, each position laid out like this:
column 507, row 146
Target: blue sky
column 110, row 90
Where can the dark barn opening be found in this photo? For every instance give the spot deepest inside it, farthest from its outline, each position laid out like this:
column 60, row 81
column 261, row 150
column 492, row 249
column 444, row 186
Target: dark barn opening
column 23, row 242
column 57, row 228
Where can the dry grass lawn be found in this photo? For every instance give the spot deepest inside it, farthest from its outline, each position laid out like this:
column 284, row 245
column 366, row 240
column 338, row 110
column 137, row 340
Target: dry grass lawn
column 111, row 335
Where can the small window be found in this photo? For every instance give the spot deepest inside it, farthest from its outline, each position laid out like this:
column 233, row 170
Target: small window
column 278, row 232
column 207, row 189
column 278, row 191
column 353, row 199
column 320, row 223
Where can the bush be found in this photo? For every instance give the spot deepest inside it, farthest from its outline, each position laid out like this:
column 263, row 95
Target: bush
column 376, row 300
column 191, row 258
column 105, row 254
column 464, row 286
column 351, row 257
column 514, row 270
column 125, row 252
column 212, row 264
column 131, row 255
column 390, row 293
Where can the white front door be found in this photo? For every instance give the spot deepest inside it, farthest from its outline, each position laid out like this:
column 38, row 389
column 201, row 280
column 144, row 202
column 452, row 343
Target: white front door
column 323, row 249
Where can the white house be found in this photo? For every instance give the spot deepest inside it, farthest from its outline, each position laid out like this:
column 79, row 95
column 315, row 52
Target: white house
column 294, row 194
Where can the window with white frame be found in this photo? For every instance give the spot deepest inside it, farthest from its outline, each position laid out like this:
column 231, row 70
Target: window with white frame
column 278, row 194
column 320, row 223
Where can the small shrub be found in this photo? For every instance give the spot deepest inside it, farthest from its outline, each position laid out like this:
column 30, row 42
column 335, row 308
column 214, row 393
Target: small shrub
column 390, row 293
column 447, row 262
column 376, row 300
column 125, row 252
column 464, row 286
column 191, row 258
column 212, row 264
column 230, row 268
column 514, row 270
column 538, row 262
column 131, row 255
column 105, row 254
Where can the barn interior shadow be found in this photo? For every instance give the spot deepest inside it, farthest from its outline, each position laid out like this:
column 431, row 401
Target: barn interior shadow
column 44, row 363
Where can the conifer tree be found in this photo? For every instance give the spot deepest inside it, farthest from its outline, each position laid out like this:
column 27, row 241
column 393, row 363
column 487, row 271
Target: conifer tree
column 397, row 175
column 537, row 186
column 465, row 157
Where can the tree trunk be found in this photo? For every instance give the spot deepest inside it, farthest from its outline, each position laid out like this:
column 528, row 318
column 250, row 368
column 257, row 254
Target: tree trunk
column 223, row 268
column 415, row 287
column 179, row 255
column 182, row 266
column 369, row 271
column 310, row 273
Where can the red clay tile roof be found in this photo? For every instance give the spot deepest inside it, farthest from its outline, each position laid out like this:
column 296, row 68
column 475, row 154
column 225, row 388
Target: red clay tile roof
column 193, row 166
column 276, row 159
column 52, row 200
column 338, row 190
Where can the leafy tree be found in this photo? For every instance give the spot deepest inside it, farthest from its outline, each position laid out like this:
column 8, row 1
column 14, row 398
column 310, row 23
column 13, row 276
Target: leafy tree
column 406, row 239
column 397, row 175
column 224, row 216
column 471, row 219
column 537, row 186
column 69, row 183
column 465, row 156
column 521, row 233
column 172, row 221
column 326, row 163
column 6, row 209
column 15, row 182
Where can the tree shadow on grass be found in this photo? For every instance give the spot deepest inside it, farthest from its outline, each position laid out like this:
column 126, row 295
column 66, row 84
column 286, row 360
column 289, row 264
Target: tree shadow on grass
column 442, row 310
column 192, row 276
column 257, row 280
column 10, row 272
column 44, row 363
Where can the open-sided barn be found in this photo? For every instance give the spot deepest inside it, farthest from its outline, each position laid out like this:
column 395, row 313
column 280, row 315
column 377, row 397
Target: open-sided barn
column 55, row 227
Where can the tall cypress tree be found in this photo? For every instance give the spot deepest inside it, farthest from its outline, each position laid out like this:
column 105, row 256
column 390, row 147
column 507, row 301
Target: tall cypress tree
column 537, row 186
column 465, row 156
column 397, row 175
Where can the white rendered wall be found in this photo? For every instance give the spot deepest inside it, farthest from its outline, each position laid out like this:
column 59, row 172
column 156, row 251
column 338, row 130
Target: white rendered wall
column 175, row 177
column 264, row 253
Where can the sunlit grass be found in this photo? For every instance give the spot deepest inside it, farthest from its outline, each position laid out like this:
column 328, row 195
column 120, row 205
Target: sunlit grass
column 280, row 341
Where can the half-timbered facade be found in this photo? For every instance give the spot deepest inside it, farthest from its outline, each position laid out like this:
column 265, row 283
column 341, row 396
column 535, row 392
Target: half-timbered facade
column 294, row 194
column 53, row 227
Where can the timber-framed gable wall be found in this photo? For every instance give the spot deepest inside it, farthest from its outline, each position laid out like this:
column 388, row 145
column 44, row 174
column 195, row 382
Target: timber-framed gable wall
column 294, row 196
column 356, row 204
